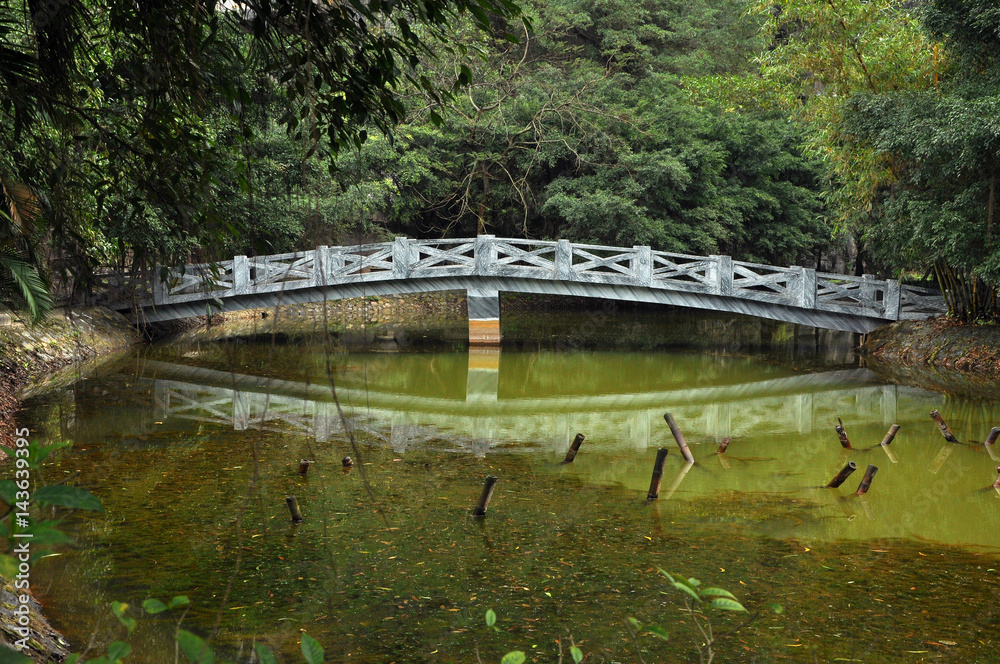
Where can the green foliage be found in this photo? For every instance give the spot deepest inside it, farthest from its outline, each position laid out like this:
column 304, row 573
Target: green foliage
column 312, row 651
column 583, row 131
column 934, row 204
column 696, row 600
column 68, row 496
column 10, row 656
column 147, row 134
column 513, row 657
column 118, row 609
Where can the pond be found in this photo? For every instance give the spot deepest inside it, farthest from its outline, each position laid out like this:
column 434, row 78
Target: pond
column 193, row 447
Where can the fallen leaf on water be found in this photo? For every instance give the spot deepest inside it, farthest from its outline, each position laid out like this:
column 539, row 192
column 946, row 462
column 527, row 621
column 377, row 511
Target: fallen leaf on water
column 948, row 643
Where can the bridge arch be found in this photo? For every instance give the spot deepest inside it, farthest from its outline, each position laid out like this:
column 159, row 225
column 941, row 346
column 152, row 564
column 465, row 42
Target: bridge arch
column 485, row 265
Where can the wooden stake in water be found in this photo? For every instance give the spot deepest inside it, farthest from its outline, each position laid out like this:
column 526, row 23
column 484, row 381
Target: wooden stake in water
column 996, row 484
column 842, row 432
column 347, row 462
column 304, row 466
column 724, row 445
column 943, row 426
column 654, row 484
column 992, row 438
column 679, row 437
column 486, row 495
column 573, row 448
column 842, row 476
column 890, row 435
column 866, row 481
column 293, row 507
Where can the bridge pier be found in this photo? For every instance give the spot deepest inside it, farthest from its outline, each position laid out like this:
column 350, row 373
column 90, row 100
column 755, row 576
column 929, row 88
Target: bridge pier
column 484, row 317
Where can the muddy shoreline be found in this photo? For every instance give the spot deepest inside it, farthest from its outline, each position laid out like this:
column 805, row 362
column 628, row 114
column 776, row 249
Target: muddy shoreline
column 937, row 354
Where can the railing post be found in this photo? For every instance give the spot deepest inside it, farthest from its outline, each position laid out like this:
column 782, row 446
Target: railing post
column 564, row 260
column 893, row 293
column 484, row 255
column 866, row 295
column 721, row 275
column 807, row 288
column 333, row 263
column 642, row 265
column 319, row 272
column 159, row 286
column 241, row 275
column 400, row 258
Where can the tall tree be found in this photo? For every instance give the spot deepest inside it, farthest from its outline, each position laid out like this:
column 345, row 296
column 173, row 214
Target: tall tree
column 936, row 202
column 107, row 107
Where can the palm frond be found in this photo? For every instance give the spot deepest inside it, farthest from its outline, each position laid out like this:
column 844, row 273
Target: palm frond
column 23, row 288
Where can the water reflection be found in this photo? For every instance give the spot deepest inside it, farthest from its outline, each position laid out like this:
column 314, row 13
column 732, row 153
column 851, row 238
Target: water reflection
column 780, row 422
column 499, row 407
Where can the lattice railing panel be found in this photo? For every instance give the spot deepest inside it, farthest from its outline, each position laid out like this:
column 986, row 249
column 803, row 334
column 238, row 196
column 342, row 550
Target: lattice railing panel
column 766, row 279
column 205, row 278
column 364, row 259
column 917, row 302
column 598, row 260
column 287, row 269
column 442, row 256
column 525, row 254
column 682, row 269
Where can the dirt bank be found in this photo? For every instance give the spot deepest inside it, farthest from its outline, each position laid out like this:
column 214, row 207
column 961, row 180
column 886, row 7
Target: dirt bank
column 28, row 354
column 937, row 354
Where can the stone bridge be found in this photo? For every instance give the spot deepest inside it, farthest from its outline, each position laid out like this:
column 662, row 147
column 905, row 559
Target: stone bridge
column 485, row 265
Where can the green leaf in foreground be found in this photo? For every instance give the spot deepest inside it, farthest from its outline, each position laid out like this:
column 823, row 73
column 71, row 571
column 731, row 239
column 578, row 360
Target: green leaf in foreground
column 576, row 653
column 8, row 566
column 179, row 601
column 716, row 592
column 68, row 496
column 264, row 654
column 119, row 609
column 726, row 604
column 153, row 606
column 491, row 618
column 312, row 650
column 513, row 657
column 118, row 650
column 194, row 648
column 11, row 656
column 658, row 631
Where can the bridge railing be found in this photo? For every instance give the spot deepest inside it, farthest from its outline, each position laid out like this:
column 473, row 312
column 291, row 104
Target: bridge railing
column 488, row 256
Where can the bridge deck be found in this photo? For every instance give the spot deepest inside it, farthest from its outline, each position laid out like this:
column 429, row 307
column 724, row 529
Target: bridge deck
column 486, row 264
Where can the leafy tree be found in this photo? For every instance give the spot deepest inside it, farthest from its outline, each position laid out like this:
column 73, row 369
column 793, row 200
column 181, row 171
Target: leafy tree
column 583, row 130
column 936, row 203
column 822, row 54
column 131, row 119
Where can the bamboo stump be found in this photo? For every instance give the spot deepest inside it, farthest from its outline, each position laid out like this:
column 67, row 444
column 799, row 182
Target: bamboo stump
column 943, row 427
column 293, row 507
column 654, row 483
column 842, row 433
column 842, row 476
column 893, row 430
column 486, row 496
column 679, row 437
column 866, row 481
column 573, row 448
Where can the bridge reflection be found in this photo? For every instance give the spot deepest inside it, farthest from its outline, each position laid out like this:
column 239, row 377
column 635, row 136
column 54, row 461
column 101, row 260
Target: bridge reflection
column 491, row 413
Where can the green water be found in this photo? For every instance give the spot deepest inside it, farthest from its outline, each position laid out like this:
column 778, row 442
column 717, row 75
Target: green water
column 194, row 446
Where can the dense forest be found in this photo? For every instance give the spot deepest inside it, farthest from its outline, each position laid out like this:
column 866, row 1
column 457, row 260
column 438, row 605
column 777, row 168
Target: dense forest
column 156, row 133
